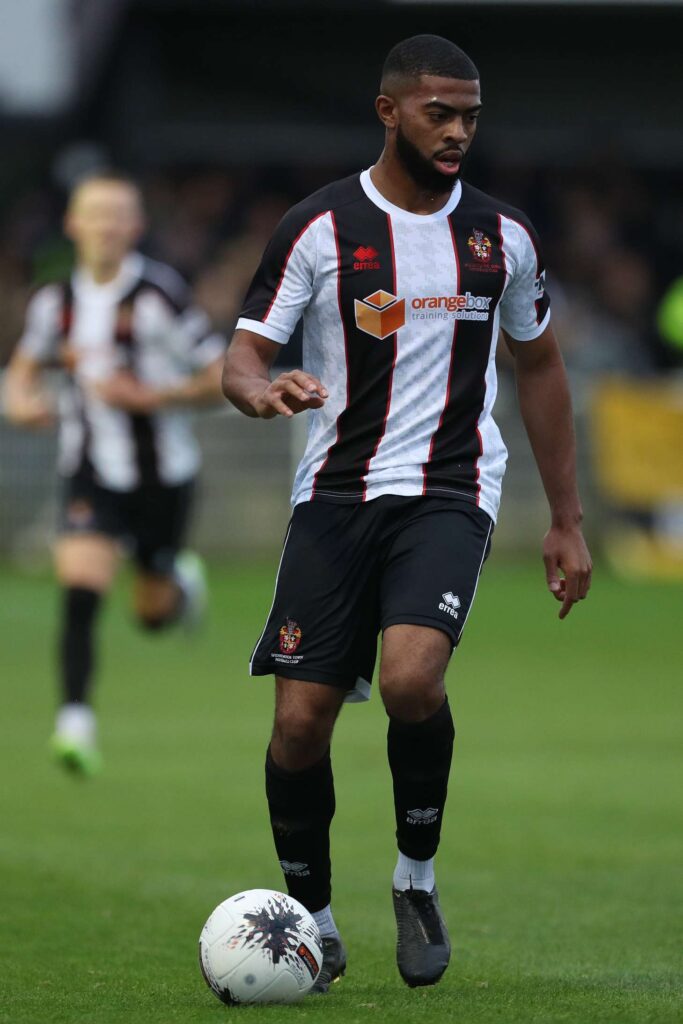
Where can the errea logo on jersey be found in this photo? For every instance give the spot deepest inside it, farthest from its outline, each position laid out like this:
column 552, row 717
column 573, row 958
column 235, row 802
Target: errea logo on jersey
column 366, row 258
column 380, row 314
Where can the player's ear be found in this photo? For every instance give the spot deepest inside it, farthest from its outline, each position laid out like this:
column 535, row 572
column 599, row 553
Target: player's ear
column 386, row 109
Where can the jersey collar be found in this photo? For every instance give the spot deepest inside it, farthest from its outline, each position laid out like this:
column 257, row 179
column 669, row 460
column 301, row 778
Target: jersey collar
column 376, row 197
column 129, row 273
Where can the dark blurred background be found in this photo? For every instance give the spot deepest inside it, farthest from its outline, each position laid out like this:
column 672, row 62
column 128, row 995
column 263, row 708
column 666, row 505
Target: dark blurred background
column 227, row 112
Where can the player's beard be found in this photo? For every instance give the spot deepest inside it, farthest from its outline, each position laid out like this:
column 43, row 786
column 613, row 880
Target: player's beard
column 421, row 170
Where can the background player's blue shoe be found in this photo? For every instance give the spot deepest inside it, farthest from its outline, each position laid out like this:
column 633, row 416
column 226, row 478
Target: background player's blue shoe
column 74, row 741
column 190, row 575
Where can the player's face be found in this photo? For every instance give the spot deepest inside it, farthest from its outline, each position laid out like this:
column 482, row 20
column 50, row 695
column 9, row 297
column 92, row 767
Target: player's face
column 104, row 220
column 434, row 121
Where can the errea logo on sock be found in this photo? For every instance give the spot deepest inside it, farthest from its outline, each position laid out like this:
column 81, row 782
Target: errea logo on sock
column 420, row 816
column 295, row 867
column 449, row 603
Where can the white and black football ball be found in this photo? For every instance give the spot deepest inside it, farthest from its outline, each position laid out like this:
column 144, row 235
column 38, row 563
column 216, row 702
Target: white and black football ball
column 260, row 946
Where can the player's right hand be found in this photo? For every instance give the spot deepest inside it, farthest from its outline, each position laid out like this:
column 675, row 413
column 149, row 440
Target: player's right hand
column 289, row 394
column 35, row 412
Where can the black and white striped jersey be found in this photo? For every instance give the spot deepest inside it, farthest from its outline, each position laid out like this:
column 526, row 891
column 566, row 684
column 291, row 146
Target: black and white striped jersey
column 141, row 320
column 400, row 322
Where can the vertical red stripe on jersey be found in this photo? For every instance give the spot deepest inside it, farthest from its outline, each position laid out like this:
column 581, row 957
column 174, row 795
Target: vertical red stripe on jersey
column 287, row 258
column 450, row 365
column 501, row 242
column 346, row 346
column 393, row 366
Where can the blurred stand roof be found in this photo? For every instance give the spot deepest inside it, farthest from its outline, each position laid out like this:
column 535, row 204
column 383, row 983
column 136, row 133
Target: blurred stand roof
column 188, row 82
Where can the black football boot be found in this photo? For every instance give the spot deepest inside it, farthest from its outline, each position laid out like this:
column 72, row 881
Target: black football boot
column 423, row 948
column 333, row 966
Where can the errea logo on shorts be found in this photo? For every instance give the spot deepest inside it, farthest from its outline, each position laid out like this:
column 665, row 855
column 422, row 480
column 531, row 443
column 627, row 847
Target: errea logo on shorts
column 449, row 603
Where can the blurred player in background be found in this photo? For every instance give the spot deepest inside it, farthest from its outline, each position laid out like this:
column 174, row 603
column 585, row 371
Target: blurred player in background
column 403, row 275
column 138, row 356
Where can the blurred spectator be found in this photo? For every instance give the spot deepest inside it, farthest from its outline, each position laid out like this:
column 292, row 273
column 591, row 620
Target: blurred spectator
column 607, row 231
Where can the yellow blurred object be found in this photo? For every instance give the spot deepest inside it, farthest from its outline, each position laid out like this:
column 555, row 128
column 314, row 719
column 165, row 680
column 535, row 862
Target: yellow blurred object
column 638, row 452
column 638, row 442
column 635, row 555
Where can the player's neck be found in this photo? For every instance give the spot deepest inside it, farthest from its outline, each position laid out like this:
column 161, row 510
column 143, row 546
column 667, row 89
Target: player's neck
column 390, row 177
column 102, row 272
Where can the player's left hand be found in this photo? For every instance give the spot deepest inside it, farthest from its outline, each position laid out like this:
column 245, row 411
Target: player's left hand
column 124, row 391
column 568, row 565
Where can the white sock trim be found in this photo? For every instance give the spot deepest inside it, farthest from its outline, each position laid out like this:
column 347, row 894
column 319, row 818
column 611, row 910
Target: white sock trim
column 413, row 874
column 325, row 922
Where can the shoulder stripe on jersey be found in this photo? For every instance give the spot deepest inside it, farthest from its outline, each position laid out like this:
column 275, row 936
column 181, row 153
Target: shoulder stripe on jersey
column 502, row 245
column 166, row 283
column 283, row 271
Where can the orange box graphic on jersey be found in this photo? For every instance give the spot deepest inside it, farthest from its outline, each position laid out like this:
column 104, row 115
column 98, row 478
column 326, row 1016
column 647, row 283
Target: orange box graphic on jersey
column 380, row 314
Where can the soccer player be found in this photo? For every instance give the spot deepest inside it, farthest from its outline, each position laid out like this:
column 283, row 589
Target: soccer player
column 137, row 356
column 404, row 274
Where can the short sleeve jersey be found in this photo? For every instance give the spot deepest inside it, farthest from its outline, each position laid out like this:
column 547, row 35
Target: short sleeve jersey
column 401, row 314
column 142, row 321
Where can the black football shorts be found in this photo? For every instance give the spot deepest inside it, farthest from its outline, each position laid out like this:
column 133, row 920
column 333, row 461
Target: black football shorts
column 348, row 571
column 150, row 521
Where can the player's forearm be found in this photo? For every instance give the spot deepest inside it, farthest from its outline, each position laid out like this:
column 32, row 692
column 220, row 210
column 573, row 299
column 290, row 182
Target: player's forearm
column 23, row 400
column 245, row 378
column 204, row 388
column 546, row 408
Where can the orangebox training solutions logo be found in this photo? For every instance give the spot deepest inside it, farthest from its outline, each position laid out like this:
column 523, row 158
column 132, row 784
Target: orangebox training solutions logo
column 380, row 314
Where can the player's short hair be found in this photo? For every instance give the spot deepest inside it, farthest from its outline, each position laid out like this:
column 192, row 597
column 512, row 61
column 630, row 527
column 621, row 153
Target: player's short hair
column 106, row 175
column 427, row 55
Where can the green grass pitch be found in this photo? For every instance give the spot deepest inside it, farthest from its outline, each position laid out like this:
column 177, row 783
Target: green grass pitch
column 561, row 868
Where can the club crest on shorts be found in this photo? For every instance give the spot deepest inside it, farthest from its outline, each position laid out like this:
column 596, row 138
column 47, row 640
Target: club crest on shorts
column 480, row 245
column 290, row 636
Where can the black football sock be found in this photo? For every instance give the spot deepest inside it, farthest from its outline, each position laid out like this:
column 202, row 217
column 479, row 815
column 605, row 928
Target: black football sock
column 420, row 759
column 76, row 661
column 301, row 806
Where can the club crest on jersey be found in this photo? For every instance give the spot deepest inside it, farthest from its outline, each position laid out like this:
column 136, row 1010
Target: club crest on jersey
column 380, row 314
column 365, row 258
column 290, row 636
column 480, row 246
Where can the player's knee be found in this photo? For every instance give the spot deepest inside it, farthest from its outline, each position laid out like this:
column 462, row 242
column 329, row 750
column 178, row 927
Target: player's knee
column 154, row 623
column 411, row 696
column 300, row 732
